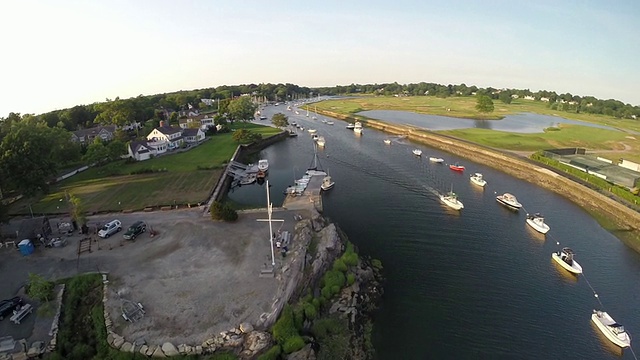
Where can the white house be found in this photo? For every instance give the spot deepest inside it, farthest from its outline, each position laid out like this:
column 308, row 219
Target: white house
column 163, row 139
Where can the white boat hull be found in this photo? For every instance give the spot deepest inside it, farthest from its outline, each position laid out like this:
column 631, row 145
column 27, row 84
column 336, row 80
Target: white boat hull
column 454, row 204
column 479, row 182
column 623, row 341
column 541, row 228
column 574, row 268
column 417, row 152
column 436, row 160
column 514, row 206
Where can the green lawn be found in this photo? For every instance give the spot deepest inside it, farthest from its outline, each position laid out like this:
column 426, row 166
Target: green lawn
column 113, row 187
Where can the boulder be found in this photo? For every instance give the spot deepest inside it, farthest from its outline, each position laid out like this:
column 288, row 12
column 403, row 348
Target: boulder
column 143, row 350
column 306, row 353
column 256, row 341
column 117, row 341
column 157, row 353
column 151, row 350
column 246, row 327
column 169, row 349
column 234, row 341
column 198, row 350
column 126, row 347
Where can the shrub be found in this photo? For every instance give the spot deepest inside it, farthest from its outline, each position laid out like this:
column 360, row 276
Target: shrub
column 351, row 278
column 284, row 328
column 298, row 316
column 326, row 293
column 335, row 289
column 316, row 303
column 377, row 264
column 339, row 265
column 223, row 211
column 350, row 258
column 39, row 288
column 293, row 344
column 271, row 354
column 310, row 311
column 334, row 277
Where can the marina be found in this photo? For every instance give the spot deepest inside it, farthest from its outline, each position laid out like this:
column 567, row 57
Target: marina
column 377, row 186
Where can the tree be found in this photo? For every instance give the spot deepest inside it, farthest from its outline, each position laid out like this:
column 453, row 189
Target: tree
column 117, row 112
column 280, row 120
column 115, row 149
column 241, row 109
column 96, row 153
column 39, row 288
column 77, row 210
column 505, row 97
column 484, row 104
column 27, row 161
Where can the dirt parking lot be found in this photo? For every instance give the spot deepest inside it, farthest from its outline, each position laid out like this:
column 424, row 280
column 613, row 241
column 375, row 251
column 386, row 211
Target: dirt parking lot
column 195, row 278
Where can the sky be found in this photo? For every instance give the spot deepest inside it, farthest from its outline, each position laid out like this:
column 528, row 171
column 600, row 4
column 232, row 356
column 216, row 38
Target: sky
column 58, row 54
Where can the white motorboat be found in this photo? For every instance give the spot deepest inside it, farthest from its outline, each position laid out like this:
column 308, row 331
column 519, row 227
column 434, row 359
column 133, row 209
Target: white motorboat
column 451, row 200
column 289, row 107
column 324, row 121
column 350, row 126
column 249, row 179
column 314, row 137
column 509, row 200
column 297, row 112
column 436, row 160
column 536, row 221
column 417, row 152
column 329, row 122
column 478, row 180
column 611, row 329
column 357, row 127
column 387, row 141
column 312, row 131
column 327, row 183
column 565, row 259
column 263, row 165
column 320, row 141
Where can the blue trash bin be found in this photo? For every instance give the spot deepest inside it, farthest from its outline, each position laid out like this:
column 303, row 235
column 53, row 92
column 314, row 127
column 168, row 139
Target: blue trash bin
column 26, row 247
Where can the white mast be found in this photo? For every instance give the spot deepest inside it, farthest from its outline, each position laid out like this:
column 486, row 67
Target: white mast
column 269, row 211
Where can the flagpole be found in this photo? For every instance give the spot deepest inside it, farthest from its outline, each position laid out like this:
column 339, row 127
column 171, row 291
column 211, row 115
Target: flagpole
column 269, row 210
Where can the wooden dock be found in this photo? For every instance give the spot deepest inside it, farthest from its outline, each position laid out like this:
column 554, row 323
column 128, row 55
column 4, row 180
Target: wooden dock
column 308, row 199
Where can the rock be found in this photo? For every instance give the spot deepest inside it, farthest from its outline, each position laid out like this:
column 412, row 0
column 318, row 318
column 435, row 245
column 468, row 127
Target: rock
column 143, row 350
column 246, row 327
column 117, row 341
column 152, row 349
column 109, row 339
column 257, row 340
column 157, row 353
column 126, row 347
column 234, row 341
column 198, row 350
column 306, row 353
column 182, row 349
column 169, row 349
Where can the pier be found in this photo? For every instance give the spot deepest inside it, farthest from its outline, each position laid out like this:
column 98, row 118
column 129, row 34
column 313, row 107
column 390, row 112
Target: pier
column 309, row 198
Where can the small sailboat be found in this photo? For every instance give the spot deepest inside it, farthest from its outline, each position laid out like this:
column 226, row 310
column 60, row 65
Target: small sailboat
column 387, row 141
column 611, row 329
column 315, row 167
column 451, row 200
column 436, row 159
column 565, row 259
column 417, row 152
column 536, row 221
column 357, row 127
column 307, row 111
column 478, row 180
column 320, row 141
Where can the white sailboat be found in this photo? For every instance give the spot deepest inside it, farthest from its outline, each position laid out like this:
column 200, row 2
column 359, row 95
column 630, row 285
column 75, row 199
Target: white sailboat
column 315, row 168
column 357, row 127
column 451, row 200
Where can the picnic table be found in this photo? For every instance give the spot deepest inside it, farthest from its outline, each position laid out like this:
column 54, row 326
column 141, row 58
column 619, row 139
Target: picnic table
column 21, row 313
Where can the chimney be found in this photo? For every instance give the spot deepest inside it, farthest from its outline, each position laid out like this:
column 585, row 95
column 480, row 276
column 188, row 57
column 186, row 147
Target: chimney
column 161, row 123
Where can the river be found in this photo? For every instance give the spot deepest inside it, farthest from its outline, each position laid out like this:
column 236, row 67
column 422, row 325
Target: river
column 479, row 284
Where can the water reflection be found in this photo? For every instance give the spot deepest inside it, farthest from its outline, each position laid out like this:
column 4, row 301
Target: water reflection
column 520, row 123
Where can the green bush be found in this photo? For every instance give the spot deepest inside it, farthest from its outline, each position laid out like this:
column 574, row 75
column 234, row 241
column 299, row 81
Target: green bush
column 271, row 354
column 335, row 289
column 339, row 265
column 326, row 293
column 377, row 264
column 293, row 344
column 334, row 277
column 223, row 211
column 350, row 258
column 298, row 316
column 316, row 303
column 351, row 278
column 284, row 328
column 310, row 311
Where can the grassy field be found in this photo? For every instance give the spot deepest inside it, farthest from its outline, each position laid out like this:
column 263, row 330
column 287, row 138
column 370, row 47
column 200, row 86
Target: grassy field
column 611, row 144
column 184, row 178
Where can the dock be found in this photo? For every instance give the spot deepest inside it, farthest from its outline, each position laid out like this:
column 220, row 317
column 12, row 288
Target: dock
column 308, row 199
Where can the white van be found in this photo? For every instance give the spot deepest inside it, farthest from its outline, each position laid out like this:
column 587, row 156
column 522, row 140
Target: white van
column 110, row 228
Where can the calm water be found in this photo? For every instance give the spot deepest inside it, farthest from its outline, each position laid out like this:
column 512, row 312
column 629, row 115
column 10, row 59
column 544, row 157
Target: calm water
column 520, row 123
column 478, row 284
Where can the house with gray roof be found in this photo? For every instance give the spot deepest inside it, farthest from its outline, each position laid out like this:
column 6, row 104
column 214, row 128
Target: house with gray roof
column 162, row 139
column 86, row 136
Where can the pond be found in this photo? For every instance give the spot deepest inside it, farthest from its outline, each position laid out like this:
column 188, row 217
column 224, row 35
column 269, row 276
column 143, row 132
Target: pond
column 520, row 123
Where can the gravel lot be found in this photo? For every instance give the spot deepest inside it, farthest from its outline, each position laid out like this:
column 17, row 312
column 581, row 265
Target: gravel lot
column 195, row 278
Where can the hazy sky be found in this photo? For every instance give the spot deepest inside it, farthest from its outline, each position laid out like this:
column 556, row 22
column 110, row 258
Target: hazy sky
column 57, row 54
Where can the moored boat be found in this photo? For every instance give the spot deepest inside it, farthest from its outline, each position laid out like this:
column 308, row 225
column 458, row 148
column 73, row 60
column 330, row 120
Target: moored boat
column 249, row 179
column 611, row 329
column 387, row 141
column 417, row 152
column 327, row 183
column 536, row 221
column 312, row 131
column 478, row 179
column 565, row 259
column 350, row 126
column 357, row 127
column 451, row 200
column 436, row 159
column 509, row 200
column 456, row 167
column 263, row 165
column 320, row 141
column 329, row 122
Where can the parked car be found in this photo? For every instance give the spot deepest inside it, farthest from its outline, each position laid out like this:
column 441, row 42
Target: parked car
column 134, row 230
column 110, row 228
column 7, row 306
